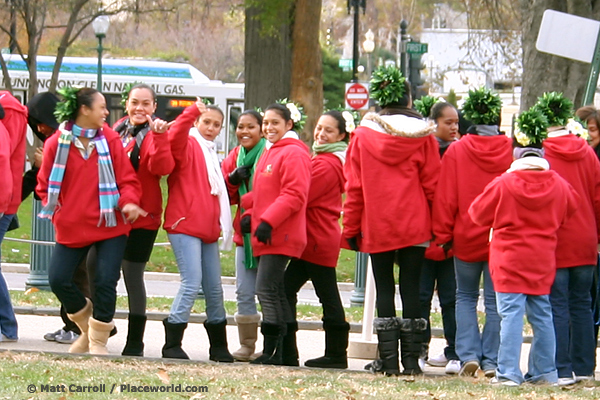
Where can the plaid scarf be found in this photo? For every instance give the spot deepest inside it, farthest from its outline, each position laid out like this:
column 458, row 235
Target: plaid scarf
column 107, row 186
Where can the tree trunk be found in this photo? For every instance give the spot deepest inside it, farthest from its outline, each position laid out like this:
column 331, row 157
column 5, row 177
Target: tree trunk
column 307, row 66
column 267, row 60
column 544, row 72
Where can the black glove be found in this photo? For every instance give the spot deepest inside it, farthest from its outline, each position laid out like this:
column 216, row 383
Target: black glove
column 263, row 233
column 447, row 247
column 246, row 224
column 239, row 175
column 353, row 243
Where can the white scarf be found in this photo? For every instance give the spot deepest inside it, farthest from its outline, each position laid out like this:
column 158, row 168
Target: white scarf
column 288, row 135
column 558, row 132
column 341, row 155
column 529, row 163
column 217, row 187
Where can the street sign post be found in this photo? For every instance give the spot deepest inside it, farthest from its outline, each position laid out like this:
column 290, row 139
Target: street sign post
column 357, row 96
column 416, row 48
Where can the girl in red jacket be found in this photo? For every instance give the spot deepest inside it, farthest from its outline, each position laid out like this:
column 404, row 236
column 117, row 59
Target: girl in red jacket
column 277, row 207
column 576, row 252
column 438, row 267
column 522, row 250
column 319, row 259
column 150, row 154
column 467, row 167
column 197, row 210
column 391, row 172
column 238, row 170
column 87, row 187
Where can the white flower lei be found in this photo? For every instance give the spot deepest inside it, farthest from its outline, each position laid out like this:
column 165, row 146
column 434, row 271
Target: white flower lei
column 576, row 128
column 294, row 112
column 350, row 126
column 521, row 138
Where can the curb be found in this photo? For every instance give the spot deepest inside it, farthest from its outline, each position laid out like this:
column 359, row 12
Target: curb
column 200, row 318
column 170, row 277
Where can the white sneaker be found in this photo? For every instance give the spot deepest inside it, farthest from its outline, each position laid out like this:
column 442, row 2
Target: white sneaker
column 584, row 378
column 503, row 382
column 422, row 364
column 438, row 361
column 566, row 381
column 453, row 367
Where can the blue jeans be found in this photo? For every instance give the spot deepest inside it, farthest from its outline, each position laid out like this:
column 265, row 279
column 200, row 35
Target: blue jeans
column 245, row 281
column 66, row 260
column 471, row 345
column 512, row 307
column 440, row 274
column 8, row 321
column 199, row 265
column 573, row 323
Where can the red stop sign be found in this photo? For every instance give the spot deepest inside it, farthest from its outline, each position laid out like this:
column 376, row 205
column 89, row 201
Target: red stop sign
column 357, row 96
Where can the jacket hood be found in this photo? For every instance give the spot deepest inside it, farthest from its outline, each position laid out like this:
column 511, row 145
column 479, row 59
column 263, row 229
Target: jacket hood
column 490, row 153
column 568, row 147
column 394, row 138
column 532, row 188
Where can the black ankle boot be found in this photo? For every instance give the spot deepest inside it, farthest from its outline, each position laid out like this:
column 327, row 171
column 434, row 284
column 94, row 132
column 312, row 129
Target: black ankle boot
column 411, row 338
column 289, row 350
column 173, row 338
column 273, row 340
column 135, row 336
column 336, row 345
column 217, row 336
column 387, row 344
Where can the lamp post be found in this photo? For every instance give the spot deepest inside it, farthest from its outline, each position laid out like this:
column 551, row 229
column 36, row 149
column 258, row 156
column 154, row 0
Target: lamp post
column 368, row 47
column 100, row 24
column 355, row 5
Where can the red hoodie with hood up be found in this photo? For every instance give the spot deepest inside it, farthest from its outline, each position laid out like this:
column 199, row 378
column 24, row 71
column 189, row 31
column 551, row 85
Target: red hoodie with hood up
column 576, row 162
column 467, row 167
column 15, row 122
column 525, row 209
column 390, row 183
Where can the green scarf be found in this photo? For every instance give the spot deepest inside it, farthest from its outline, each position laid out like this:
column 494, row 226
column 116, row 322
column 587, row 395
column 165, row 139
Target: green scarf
column 329, row 147
column 246, row 158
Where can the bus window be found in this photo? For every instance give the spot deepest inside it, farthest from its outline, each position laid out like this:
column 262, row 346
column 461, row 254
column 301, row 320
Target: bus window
column 113, row 103
column 234, row 111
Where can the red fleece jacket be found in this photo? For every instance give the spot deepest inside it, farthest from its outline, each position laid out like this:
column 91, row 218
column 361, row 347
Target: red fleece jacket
column 390, row 183
column 15, row 122
column 191, row 209
column 6, row 177
column 574, row 160
column 228, row 165
column 323, row 211
column 525, row 210
column 156, row 160
column 279, row 197
column 76, row 218
column 467, row 167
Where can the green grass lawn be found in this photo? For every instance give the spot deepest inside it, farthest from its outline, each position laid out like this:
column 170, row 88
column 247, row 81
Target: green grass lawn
column 162, row 259
column 23, row 374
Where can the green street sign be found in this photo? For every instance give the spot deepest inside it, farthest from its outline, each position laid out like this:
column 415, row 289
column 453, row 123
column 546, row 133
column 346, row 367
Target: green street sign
column 416, row 48
column 345, row 63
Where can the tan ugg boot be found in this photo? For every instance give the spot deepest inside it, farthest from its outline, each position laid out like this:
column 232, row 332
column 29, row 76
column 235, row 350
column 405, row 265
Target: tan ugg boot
column 81, row 318
column 247, row 330
column 99, row 333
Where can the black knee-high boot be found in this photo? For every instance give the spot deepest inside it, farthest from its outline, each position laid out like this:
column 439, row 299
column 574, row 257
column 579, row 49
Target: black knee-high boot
column 411, row 337
column 273, row 341
column 289, row 350
column 135, row 336
column 387, row 344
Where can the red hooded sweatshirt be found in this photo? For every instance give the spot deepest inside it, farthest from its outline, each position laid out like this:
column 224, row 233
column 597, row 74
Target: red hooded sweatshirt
column 6, row 177
column 191, row 209
column 279, row 196
column 576, row 162
column 391, row 174
column 76, row 217
column 525, row 209
column 323, row 211
column 15, row 122
column 156, row 160
column 467, row 167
